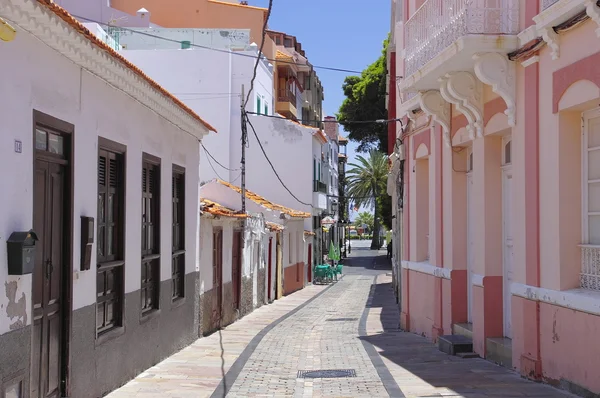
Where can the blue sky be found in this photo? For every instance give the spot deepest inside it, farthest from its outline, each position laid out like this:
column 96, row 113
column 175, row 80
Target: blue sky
column 345, row 34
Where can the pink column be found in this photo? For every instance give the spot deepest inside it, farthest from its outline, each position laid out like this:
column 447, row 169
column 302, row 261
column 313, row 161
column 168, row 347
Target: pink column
column 487, row 259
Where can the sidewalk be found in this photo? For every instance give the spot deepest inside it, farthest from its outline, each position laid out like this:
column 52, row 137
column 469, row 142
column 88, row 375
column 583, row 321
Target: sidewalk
column 196, row 371
column 421, row 370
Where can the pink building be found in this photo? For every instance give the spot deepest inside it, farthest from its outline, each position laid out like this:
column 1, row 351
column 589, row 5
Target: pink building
column 498, row 175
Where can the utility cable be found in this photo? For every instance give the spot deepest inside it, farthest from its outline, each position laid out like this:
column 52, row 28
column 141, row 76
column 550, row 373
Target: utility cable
column 216, row 161
column 273, row 167
column 214, row 48
column 378, row 121
column 260, row 51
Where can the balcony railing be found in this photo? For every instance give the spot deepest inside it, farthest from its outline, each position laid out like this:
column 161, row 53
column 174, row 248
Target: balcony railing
column 547, row 3
column 438, row 23
column 319, row 186
column 284, row 95
column 590, row 267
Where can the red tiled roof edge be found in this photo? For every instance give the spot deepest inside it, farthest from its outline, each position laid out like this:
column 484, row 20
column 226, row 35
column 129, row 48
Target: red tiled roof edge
column 78, row 26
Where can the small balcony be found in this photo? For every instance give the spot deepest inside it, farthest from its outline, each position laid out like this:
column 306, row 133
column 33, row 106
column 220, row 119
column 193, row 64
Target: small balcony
column 319, row 186
column 452, row 31
column 286, row 103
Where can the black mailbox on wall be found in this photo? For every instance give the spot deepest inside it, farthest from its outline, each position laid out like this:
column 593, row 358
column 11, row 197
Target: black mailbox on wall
column 21, row 252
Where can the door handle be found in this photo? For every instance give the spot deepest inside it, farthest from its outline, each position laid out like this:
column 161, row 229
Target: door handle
column 49, row 269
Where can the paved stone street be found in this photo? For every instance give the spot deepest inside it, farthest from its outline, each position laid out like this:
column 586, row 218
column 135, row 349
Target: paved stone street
column 352, row 324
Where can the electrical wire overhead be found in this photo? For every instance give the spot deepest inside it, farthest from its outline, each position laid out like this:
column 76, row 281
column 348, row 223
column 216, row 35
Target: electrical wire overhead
column 330, row 68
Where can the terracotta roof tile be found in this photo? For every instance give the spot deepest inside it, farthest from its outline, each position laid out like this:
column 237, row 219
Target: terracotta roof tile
column 281, row 56
column 273, row 227
column 265, row 203
column 80, row 28
column 309, row 233
column 225, row 3
column 216, row 209
column 342, row 138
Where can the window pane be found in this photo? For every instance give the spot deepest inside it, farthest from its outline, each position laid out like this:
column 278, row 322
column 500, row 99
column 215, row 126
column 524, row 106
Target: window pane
column 594, row 132
column 594, row 230
column 110, row 313
column 594, row 165
column 109, row 241
column 594, row 197
column 100, row 284
column 101, row 213
column 111, row 208
column 100, row 315
column 101, row 243
column 55, row 143
column 41, row 140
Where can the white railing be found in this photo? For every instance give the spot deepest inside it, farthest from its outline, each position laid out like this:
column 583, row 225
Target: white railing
column 547, row 3
column 438, row 23
column 590, row 267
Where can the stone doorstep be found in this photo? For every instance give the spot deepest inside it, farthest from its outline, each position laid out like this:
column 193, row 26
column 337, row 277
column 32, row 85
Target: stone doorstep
column 499, row 350
column 463, row 329
column 453, row 344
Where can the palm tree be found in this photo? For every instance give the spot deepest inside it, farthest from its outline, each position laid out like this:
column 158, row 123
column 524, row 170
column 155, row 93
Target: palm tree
column 367, row 180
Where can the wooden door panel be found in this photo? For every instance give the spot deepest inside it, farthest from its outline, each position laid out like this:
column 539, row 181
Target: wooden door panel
column 47, row 295
column 53, row 344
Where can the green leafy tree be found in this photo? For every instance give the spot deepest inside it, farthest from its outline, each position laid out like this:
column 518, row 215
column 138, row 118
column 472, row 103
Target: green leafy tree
column 365, row 100
column 365, row 218
column 367, row 181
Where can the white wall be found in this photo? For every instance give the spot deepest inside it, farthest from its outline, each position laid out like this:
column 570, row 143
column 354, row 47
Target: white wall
column 206, row 245
column 201, row 79
column 210, row 83
column 61, row 89
column 289, row 147
column 214, row 38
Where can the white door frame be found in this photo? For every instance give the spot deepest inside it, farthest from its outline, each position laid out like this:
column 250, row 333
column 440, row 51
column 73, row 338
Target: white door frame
column 469, row 248
column 507, row 241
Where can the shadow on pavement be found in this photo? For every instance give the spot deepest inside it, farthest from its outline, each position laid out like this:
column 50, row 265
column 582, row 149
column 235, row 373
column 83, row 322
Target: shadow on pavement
column 418, row 356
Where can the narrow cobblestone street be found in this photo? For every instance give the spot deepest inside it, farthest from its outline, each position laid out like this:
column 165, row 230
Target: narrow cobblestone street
column 352, row 324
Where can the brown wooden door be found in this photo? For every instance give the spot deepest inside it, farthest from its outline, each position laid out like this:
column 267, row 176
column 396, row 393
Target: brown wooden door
column 49, row 213
column 217, row 277
column 236, row 267
column 309, row 263
column 270, row 270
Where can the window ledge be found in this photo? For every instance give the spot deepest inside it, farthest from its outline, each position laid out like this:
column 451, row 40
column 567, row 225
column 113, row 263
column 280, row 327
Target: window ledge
column 110, row 335
column 425, row 268
column 149, row 316
column 177, row 302
column 582, row 300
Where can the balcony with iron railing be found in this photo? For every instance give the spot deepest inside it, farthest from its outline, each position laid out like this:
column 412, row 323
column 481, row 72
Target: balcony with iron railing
column 590, row 267
column 547, row 3
column 286, row 103
column 438, row 24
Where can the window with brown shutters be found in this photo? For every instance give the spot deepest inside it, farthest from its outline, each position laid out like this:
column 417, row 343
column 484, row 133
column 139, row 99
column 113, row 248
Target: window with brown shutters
column 111, row 241
column 178, row 235
column 150, row 234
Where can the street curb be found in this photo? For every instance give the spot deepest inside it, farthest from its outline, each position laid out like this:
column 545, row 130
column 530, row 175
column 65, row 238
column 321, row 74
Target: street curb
column 384, row 373
column 234, row 371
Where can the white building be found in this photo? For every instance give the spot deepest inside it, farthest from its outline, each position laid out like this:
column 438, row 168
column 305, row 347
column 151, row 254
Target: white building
column 210, row 82
column 272, row 261
column 86, row 139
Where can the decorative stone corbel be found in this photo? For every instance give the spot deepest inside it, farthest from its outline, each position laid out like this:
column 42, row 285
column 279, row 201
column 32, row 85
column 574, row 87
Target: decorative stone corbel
column 464, row 86
column 498, row 71
column 444, row 81
column 551, row 38
column 433, row 104
column 593, row 11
